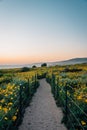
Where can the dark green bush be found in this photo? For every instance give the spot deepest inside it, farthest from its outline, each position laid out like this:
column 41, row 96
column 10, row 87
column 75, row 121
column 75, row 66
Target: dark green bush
column 44, row 65
column 25, row 69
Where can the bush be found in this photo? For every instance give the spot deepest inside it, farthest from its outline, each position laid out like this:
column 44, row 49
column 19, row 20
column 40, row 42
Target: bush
column 1, row 74
column 72, row 70
column 25, row 69
column 44, row 65
column 34, row 66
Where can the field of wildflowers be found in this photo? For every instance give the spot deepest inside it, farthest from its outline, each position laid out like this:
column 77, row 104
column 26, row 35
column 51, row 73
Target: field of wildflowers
column 69, row 87
column 68, row 84
column 16, row 91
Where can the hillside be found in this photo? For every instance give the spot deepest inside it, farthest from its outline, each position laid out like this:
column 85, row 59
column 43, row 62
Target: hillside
column 66, row 62
column 70, row 61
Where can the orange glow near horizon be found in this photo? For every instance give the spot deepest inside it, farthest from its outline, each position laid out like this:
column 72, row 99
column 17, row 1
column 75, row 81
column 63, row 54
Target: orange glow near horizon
column 32, row 59
column 28, row 60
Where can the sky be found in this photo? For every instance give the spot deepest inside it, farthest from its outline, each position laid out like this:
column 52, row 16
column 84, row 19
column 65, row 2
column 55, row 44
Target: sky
column 33, row 31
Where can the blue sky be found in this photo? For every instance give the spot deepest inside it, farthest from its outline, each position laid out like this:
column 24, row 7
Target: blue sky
column 42, row 30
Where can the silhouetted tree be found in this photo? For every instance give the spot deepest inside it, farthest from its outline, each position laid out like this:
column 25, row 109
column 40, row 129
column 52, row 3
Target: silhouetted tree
column 34, row 66
column 44, row 65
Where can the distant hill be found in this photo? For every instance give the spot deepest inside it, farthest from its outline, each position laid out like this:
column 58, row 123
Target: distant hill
column 66, row 62
column 70, row 61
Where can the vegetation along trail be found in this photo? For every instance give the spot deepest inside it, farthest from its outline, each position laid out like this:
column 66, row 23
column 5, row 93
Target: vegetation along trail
column 42, row 114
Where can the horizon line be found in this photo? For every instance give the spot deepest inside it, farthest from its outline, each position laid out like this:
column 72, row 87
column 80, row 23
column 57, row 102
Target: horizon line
column 42, row 62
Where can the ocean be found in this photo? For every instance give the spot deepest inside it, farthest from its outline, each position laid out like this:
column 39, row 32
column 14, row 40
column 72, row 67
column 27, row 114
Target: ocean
column 19, row 66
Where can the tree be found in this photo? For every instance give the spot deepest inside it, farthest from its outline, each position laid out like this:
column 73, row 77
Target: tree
column 44, row 65
column 34, row 66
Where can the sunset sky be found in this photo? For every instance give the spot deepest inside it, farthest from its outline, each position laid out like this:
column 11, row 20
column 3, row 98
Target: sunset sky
column 42, row 30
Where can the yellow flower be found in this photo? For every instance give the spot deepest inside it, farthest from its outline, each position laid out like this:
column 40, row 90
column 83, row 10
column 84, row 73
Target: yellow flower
column 3, row 100
column 10, row 103
column 0, row 107
column 9, row 109
column 14, row 118
column 11, row 98
column 10, row 93
column 86, row 100
column 6, row 118
column 6, row 95
column 5, row 109
column 79, row 97
column 83, row 122
column 68, row 93
column 17, row 110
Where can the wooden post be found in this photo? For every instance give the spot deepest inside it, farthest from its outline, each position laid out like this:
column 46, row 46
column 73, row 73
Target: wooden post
column 35, row 81
column 29, row 89
column 53, row 84
column 66, row 102
column 20, row 100
column 57, row 94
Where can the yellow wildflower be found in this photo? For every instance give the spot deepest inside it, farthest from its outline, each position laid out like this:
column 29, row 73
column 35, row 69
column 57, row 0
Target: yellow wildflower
column 11, row 98
column 79, row 97
column 5, row 109
column 10, row 103
column 0, row 107
column 68, row 93
column 14, row 118
column 10, row 93
column 6, row 118
column 3, row 100
column 6, row 95
column 86, row 100
column 83, row 122
column 17, row 110
column 9, row 109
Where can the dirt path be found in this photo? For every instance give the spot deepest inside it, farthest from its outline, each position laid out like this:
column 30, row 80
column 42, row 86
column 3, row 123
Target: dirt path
column 42, row 114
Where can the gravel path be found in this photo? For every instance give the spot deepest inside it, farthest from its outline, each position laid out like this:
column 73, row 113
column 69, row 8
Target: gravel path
column 42, row 114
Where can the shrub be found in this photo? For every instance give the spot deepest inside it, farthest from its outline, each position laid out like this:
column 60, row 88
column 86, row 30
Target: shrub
column 44, row 65
column 34, row 66
column 25, row 69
